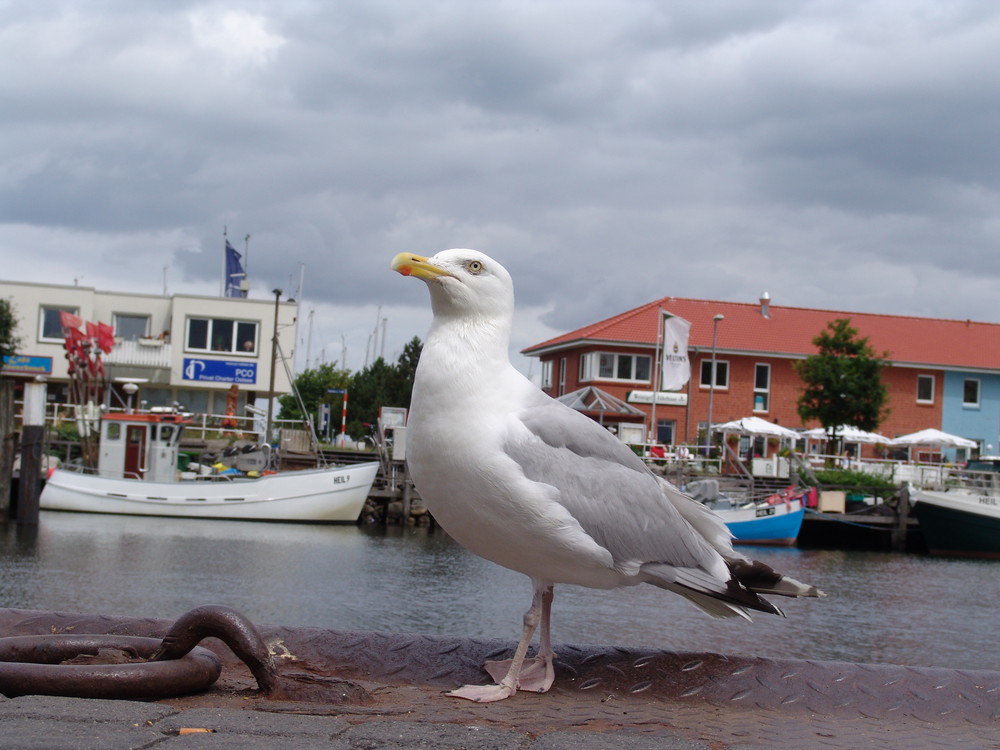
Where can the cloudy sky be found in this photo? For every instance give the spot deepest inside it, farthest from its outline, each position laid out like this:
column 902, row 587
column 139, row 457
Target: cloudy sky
column 839, row 155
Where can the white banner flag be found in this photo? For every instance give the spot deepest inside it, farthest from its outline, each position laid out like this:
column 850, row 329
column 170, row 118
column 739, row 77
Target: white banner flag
column 675, row 370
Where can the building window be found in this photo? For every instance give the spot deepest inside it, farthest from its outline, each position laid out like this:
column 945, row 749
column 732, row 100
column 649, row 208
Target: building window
column 49, row 324
column 665, row 431
column 131, row 327
column 196, row 401
column 563, row 366
column 970, row 392
column 925, row 389
column 609, row 366
column 721, row 373
column 761, row 387
column 221, row 335
column 547, row 373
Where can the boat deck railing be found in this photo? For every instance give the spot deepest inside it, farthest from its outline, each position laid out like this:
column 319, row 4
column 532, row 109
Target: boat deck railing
column 984, row 481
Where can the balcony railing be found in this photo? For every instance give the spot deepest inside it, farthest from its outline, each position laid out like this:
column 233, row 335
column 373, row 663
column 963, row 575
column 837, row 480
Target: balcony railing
column 141, row 353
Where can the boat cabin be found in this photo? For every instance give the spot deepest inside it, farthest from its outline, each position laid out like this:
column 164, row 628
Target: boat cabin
column 140, row 446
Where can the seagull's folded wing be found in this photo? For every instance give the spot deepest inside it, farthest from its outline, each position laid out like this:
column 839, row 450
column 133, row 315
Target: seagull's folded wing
column 608, row 490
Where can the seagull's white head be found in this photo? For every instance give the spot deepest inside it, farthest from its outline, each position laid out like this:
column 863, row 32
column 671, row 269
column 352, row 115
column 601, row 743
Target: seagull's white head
column 463, row 283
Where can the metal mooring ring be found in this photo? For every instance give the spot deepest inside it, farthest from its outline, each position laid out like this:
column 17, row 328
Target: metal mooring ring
column 31, row 665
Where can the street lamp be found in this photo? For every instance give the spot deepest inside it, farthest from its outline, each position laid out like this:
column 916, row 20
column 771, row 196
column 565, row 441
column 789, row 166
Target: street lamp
column 274, row 366
column 711, row 377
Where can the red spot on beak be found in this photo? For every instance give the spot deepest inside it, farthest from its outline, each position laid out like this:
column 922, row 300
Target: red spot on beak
column 405, row 270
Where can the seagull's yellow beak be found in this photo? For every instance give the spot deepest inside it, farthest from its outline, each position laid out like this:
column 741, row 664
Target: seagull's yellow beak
column 409, row 264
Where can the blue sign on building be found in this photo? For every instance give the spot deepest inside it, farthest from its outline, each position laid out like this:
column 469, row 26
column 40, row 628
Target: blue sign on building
column 219, row 371
column 20, row 364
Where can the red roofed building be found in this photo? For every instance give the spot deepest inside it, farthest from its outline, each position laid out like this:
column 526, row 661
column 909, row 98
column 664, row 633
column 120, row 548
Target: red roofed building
column 941, row 373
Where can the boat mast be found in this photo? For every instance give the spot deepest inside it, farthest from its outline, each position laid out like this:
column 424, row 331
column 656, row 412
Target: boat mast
column 274, row 365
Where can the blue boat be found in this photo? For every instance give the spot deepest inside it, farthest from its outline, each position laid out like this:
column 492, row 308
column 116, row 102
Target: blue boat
column 775, row 520
column 765, row 522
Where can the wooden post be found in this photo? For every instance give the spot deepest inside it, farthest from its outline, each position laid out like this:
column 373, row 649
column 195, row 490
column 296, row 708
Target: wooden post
column 898, row 536
column 406, row 503
column 32, row 442
column 6, row 445
column 32, row 446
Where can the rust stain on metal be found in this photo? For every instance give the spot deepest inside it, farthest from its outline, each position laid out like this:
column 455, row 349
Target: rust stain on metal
column 41, row 665
column 137, row 667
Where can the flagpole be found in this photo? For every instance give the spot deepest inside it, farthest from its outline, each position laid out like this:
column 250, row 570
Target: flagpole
column 658, row 372
column 246, row 261
column 225, row 241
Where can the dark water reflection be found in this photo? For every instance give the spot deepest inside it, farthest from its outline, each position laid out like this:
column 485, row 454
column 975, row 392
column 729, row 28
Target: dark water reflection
column 882, row 607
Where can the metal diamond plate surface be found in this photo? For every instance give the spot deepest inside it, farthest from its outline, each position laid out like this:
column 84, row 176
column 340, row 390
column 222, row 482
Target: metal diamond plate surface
column 723, row 700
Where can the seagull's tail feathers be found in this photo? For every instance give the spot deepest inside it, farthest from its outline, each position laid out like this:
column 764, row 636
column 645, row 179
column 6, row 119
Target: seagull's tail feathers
column 709, row 594
column 751, row 574
column 711, row 607
column 763, row 579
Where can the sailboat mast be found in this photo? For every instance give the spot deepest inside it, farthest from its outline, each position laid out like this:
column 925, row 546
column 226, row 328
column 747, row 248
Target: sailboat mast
column 274, row 367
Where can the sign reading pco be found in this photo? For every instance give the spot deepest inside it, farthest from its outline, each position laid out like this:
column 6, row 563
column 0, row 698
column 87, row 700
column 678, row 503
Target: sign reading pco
column 220, row 371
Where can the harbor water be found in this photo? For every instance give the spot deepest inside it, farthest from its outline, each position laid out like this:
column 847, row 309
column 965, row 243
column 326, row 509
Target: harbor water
column 881, row 608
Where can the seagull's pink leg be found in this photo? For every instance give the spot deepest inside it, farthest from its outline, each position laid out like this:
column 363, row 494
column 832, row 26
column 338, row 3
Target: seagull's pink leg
column 538, row 673
column 545, row 656
column 508, row 674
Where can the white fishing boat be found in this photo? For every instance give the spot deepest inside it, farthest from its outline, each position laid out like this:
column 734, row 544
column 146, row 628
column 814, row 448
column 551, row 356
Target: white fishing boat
column 963, row 518
column 138, row 474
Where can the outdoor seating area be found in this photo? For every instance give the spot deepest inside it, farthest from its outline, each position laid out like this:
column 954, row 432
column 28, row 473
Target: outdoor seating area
column 755, row 447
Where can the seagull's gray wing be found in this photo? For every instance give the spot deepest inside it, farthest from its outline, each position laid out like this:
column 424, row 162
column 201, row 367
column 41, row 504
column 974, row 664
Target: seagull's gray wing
column 606, row 488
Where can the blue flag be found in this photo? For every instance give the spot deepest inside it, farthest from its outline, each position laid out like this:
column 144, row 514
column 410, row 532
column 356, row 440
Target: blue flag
column 235, row 275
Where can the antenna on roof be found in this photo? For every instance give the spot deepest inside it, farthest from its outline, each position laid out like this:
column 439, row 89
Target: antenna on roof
column 765, row 305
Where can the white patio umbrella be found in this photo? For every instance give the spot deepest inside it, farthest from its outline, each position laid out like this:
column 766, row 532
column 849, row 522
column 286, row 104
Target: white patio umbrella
column 931, row 436
column 847, row 433
column 755, row 426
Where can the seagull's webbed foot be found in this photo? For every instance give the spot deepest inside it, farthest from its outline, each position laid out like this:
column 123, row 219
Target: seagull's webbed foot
column 537, row 674
column 483, row 693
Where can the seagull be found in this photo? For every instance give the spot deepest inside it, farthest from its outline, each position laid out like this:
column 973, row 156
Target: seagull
column 524, row 481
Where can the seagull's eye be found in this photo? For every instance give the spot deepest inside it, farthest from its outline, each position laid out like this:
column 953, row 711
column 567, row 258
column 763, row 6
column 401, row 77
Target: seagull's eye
column 475, row 266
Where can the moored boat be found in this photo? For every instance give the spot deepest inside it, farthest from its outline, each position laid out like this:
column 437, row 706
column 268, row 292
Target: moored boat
column 774, row 523
column 137, row 474
column 775, row 520
column 961, row 521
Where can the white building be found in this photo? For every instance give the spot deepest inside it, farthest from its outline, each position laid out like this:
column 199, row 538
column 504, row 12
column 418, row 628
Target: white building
column 185, row 349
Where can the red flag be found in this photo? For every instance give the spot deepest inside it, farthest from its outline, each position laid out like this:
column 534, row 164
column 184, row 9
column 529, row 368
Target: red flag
column 91, row 330
column 69, row 320
column 74, row 341
column 105, row 337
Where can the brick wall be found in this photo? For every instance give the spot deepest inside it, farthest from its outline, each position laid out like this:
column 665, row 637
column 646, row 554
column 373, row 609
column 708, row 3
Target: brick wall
column 906, row 415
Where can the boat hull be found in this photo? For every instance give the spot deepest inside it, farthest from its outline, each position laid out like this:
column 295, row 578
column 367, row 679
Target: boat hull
column 959, row 523
column 776, row 524
column 334, row 495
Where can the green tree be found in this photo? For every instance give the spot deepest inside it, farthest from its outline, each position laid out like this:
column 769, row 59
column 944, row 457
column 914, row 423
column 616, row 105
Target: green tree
column 843, row 383
column 406, row 370
column 313, row 386
column 381, row 384
column 9, row 343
